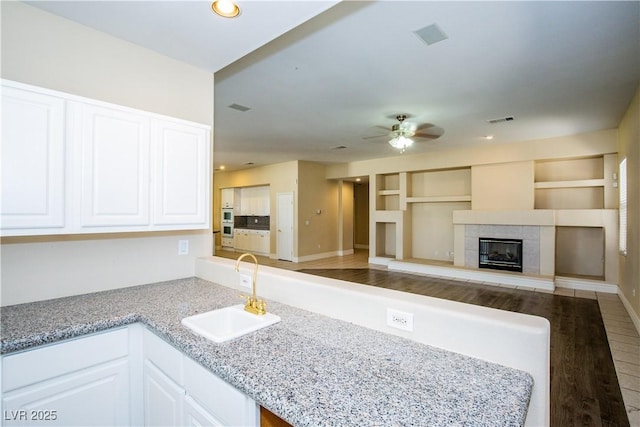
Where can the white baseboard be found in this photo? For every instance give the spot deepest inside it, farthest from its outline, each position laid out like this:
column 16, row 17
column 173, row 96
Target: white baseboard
column 627, row 305
column 586, row 284
column 378, row 260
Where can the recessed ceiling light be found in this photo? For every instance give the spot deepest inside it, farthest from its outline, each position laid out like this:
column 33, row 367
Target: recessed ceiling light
column 358, row 180
column 488, row 137
column 339, row 147
column 225, row 8
column 249, row 163
column 222, row 167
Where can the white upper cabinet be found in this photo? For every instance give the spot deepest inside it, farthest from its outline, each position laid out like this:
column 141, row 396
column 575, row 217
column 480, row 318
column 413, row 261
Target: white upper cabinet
column 227, row 198
column 180, row 171
column 113, row 173
column 33, row 161
column 255, row 201
column 75, row 165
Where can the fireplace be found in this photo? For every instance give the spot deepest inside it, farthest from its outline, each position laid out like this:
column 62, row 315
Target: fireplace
column 500, row 254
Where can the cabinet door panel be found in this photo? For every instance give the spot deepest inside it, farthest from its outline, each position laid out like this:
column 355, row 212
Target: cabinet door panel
column 33, row 162
column 93, row 396
column 114, row 184
column 181, row 174
column 196, row 416
column 162, row 398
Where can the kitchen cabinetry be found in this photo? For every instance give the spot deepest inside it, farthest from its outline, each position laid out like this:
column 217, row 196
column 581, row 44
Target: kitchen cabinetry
column 75, row 383
column 76, row 165
column 178, row 391
column 93, row 380
column 227, row 197
column 255, row 201
column 33, row 160
column 257, row 241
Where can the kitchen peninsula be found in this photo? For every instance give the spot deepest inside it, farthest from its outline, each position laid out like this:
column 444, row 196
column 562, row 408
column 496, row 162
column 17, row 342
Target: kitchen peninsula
column 309, row 369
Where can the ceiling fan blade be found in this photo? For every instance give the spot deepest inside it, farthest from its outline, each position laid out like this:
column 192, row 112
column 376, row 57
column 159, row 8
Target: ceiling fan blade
column 376, row 132
column 424, row 126
column 434, row 133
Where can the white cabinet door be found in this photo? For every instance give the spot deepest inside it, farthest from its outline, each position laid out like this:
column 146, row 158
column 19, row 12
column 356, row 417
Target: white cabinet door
column 163, row 399
column 113, row 168
column 227, row 198
column 196, row 416
column 96, row 396
column 181, row 174
column 33, row 162
column 81, row 382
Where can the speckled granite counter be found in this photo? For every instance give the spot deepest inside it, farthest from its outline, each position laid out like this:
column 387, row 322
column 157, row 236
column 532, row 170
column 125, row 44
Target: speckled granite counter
column 309, row 369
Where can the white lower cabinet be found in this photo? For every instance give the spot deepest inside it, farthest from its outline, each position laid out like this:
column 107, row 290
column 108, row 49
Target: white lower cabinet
column 179, row 391
column 127, row 376
column 81, row 382
column 257, row 241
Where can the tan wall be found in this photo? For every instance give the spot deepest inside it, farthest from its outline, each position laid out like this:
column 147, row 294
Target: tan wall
column 280, row 177
column 507, row 186
column 347, row 209
column 44, row 50
column 361, row 214
column 629, row 147
column 582, row 145
column 317, row 233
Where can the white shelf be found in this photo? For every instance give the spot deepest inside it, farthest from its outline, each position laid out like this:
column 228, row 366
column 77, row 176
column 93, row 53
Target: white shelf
column 438, row 199
column 389, row 193
column 582, row 183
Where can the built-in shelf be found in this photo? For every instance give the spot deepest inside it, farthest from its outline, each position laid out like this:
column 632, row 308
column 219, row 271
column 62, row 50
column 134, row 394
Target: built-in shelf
column 582, row 183
column 389, row 193
column 438, row 199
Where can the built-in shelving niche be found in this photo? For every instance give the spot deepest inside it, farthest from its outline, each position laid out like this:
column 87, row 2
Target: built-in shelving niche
column 584, row 260
column 571, row 183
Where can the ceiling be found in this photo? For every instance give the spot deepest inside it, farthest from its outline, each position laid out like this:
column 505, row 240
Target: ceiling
column 557, row 68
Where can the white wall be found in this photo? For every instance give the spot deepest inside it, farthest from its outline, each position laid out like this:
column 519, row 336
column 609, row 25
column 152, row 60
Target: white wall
column 44, row 50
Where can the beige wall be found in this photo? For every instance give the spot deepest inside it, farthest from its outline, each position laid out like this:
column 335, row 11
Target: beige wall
column 48, row 51
column 506, row 186
column 346, row 225
column 317, row 233
column 361, row 214
column 629, row 148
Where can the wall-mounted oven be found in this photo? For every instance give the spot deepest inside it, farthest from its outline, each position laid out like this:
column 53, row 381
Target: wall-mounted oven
column 227, row 230
column 227, row 216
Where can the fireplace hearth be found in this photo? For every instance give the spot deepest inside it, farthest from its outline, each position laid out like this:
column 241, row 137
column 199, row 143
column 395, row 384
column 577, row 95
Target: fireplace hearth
column 500, row 254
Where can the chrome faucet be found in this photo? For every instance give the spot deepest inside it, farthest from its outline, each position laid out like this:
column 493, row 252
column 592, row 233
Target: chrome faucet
column 253, row 305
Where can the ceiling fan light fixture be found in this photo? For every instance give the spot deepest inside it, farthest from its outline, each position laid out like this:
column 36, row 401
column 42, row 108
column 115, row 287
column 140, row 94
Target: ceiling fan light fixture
column 401, row 142
column 225, row 8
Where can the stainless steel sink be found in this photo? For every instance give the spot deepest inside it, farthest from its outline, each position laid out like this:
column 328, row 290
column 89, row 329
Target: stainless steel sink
column 228, row 323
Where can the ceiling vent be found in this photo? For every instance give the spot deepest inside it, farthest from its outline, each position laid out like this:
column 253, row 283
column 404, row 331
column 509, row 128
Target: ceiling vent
column 431, row 34
column 239, row 107
column 501, row 119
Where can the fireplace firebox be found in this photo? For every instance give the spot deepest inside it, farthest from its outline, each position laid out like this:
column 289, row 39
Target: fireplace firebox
column 500, row 254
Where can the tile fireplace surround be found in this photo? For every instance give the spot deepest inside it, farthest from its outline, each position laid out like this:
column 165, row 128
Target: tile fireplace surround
column 537, row 229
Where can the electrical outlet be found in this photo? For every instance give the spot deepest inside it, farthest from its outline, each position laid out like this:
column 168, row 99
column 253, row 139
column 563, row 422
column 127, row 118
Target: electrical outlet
column 183, row 247
column 245, row 281
column 400, row 319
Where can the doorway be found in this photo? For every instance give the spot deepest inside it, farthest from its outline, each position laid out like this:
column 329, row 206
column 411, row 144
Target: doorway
column 284, row 226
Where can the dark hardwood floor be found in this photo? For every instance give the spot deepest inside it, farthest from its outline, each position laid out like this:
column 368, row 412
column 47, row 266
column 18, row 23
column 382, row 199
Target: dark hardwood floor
column 584, row 385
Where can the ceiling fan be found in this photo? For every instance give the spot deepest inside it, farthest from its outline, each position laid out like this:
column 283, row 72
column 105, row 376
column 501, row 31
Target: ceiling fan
column 403, row 133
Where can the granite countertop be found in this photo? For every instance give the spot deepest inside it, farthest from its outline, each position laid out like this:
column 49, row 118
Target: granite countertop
column 309, row 369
